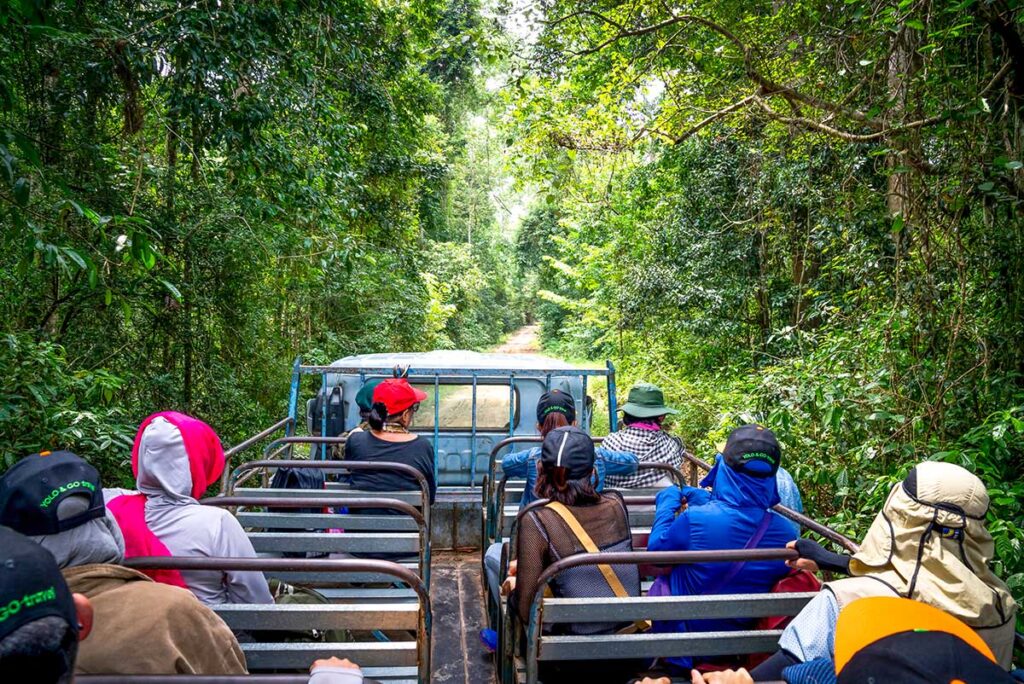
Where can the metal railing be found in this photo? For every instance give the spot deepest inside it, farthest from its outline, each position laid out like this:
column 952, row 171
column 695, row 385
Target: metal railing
column 493, row 498
column 313, row 565
column 339, row 498
column 327, row 501
column 533, row 631
column 284, row 423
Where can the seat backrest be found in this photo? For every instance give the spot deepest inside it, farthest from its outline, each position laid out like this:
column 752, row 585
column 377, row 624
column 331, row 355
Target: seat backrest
column 287, row 624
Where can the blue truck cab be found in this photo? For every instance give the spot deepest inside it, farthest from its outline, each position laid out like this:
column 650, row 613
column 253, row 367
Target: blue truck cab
column 474, row 400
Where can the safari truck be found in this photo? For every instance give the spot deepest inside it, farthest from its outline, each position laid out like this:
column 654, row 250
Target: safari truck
column 334, row 538
column 475, row 401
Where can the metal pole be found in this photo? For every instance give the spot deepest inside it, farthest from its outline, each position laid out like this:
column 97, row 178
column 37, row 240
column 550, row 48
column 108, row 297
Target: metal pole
column 293, row 396
column 613, row 408
column 437, row 423
column 585, row 417
column 511, row 405
column 323, row 417
column 472, row 442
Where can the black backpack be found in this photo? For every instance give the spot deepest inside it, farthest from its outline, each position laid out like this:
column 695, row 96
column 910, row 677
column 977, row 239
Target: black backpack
column 297, row 478
column 335, row 413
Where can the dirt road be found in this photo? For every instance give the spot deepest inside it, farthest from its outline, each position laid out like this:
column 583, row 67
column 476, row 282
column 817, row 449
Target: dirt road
column 522, row 341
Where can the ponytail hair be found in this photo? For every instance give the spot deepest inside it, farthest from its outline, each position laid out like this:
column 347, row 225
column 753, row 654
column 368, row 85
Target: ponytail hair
column 553, row 483
column 553, row 421
column 377, row 416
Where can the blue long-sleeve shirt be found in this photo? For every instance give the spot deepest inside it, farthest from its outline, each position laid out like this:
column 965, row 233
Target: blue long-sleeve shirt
column 524, row 464
column 724, row 518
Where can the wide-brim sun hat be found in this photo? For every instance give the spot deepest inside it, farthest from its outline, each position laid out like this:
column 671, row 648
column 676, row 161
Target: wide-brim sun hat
column 646, row 401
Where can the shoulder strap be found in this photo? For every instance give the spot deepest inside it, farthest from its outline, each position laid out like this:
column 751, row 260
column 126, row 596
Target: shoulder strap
column 734, row 568
column 581, row 534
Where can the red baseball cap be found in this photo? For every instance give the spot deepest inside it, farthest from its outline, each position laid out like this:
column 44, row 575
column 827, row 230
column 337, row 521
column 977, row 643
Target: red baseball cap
column 397, row 395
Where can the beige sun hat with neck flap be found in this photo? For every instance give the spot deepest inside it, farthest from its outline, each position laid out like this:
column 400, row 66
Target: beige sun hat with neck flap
column 929, row 543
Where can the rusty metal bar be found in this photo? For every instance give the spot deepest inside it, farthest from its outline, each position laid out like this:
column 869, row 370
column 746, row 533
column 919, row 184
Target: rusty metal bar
column 533, row 631
column 245, row 445
column 405, row 575
column 285, row 502
column 352, row 465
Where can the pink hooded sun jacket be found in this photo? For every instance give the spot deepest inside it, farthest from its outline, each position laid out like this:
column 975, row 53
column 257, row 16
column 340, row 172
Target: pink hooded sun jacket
column 175, row 458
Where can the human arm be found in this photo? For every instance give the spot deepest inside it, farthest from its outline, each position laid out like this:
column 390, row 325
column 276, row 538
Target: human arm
column 814, row 557
column 812, row 632
column 618, row 462
column 242, row 586
column 517, row 464
column 671, row 528
column 335, row 671
column 426, row 466
column 531, row 559
column 740, row 676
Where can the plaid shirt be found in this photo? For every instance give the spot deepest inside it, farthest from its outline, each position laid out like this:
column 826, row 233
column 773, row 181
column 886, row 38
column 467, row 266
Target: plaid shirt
column 650, row 446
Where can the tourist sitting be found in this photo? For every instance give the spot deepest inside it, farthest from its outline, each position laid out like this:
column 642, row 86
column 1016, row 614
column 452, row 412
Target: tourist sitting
column 573, row 518
column 735, row 514
column 642, row 434
column 890, row 639
column 555, row 409
column 928, row 543
column 42, row 623
column 175, row 459
column 141, row 626
column 395, row 403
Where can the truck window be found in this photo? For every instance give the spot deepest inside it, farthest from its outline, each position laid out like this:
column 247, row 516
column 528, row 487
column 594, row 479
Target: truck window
column 456, row 411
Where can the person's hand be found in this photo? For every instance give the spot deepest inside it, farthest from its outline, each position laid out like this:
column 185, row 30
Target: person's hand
column 801, row 563
column 512, row 567
column 333, row 662
column 670, row 497
column 740, row 676
column 508, row 586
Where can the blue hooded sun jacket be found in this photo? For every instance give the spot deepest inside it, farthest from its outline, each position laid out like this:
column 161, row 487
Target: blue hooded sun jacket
column 724, row 518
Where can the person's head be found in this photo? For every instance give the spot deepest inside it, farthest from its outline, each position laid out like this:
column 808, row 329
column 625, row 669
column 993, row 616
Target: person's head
column 753, row 450
column 395, row 402
column 176, row 457
column 930, row 543
column 565, row 472
column 890, row 639
column 57, row 500
column 645, row 404
column 364, row 397
column 41, row 621
column 555, row 409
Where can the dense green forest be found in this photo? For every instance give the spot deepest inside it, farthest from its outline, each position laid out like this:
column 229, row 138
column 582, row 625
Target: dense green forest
column 804, row 213
column 195, row 193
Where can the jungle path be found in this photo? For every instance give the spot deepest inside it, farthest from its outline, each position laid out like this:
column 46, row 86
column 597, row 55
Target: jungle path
column 457, row 585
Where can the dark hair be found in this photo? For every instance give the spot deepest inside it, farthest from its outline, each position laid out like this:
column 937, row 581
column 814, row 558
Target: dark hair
column 378, row 415
column 47, row 647
column 557, row 487
column 553, row 421
column 629, row 420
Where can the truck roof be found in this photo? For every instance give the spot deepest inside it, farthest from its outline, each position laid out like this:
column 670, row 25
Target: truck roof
column 455, row 359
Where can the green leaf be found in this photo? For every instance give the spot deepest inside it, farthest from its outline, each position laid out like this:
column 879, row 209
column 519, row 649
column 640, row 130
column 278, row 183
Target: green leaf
column 986, row 186
column 21, row 192
column 175, row 292
column 915, row 24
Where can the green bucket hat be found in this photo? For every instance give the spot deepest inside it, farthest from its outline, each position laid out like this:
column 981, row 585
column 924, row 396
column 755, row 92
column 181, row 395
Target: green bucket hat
column 646, row 401
column 364, row 397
